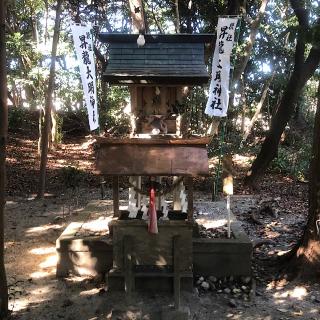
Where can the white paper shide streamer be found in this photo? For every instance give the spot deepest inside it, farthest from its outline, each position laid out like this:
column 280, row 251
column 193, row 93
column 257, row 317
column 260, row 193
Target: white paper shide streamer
column 218, row 100
column 84, row 49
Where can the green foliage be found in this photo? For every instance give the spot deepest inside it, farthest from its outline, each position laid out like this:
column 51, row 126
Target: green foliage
column 112, row 115
column 59, row 132
column 22, row 119
column 16, row 118
column 295, row 163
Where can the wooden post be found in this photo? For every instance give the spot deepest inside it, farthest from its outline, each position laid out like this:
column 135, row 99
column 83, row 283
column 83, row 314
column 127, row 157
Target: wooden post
column 176, row 270
column 102, row 187
column 159, row 198
column 176, row 195
column 190, row 198
column 229, row 216
column 115, row 195
column 138, row 194
column 227, row 174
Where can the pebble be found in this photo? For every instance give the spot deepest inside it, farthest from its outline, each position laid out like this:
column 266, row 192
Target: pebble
column 205, row 285
column 244, row 288
column 200, row 280
column 227, row 290
column 213, row 279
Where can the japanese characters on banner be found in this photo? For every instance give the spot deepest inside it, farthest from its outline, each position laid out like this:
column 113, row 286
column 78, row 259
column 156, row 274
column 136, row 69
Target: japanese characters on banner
column 84, row 49
column 217, row 104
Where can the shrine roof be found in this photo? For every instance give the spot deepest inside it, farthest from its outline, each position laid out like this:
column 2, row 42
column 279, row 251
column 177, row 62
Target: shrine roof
column 176, row 59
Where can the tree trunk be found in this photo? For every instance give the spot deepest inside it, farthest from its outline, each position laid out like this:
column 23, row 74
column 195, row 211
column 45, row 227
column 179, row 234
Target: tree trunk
column 40, row 124
column 137, row 16
column 3, row 141
column 306, row 257
column 302, row 72
column 259, row 107
column 254, row 26
column 46, row 34
column 177, row 16
column 54, row 129
column 48, row 103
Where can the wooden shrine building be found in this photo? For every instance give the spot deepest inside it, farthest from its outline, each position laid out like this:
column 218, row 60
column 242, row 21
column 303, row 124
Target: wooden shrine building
column 159, row 72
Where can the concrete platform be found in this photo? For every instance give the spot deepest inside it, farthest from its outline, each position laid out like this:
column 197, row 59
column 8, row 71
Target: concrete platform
column 85, row 247
column 221, row 257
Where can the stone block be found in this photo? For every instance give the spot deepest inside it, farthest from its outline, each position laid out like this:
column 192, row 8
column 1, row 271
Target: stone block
column 223, row 257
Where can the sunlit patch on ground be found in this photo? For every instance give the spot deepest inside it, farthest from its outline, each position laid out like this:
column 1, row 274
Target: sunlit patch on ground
column 277, row 284
column 9, row 244
column 90, row 292
column 42, row 274
column 49, row 262
column 10, row 204
column 18, row 304
column 77, row 279
column 34, row 297
column 241, row 160
column 43, row 250
column 298, row 293
column 46, row 264
column 43, row 228
column 212, row 224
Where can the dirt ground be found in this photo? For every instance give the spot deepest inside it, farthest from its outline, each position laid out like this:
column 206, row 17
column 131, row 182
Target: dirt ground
column 32, row 227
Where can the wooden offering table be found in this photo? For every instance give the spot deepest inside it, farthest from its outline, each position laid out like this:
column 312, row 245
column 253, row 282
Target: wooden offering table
column 157, row 156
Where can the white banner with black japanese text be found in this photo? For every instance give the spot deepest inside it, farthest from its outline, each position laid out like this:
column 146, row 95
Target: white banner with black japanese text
column 217, row 104
column 82, row 38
